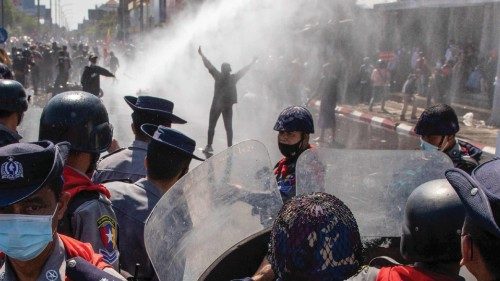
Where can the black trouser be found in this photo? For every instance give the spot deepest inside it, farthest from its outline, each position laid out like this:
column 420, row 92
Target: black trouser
column 227, row 117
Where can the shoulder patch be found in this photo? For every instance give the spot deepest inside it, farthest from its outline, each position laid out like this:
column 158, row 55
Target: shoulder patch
column 108, row 231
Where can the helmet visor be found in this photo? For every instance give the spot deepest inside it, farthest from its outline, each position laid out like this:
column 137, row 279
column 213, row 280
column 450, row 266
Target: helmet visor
column 101, row 136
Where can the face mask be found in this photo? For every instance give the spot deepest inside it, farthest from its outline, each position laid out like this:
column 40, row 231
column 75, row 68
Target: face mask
column 24, row 237
column 430, row 147
column 290, row 150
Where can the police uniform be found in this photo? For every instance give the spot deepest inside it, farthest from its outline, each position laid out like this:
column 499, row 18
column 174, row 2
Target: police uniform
column 57, row 267
column 7, row 136
column 25, row 169
column 124, row 165
column 465, row 156
column 292, row 118
column 132, row 204
column 128, row 164
column 441, row 120
column 90, row 217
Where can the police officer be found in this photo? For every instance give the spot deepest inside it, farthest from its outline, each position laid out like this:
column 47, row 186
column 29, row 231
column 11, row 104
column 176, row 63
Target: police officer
column 480, row 194
column 20, row 65
column 294, row 125
column 91, row 76
column 127, row 164
column 31, row 204
column 63, row 68
column 13, row 104
column 168, row 157
column 430, row 238
column 437, row 127
column 5, row 72
column 82, row 120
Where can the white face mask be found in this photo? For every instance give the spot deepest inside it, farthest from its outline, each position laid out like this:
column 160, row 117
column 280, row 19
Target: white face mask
column 426, row 146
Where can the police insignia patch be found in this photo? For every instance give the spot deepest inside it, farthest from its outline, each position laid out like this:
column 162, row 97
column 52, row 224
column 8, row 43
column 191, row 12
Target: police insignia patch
column 107, row 229
column 11, row 169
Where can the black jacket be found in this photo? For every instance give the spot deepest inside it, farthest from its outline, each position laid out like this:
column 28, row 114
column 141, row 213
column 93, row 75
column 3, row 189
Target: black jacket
column 91, row 81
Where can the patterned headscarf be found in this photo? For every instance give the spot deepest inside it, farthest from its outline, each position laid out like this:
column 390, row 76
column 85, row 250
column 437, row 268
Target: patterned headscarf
column 315, row 237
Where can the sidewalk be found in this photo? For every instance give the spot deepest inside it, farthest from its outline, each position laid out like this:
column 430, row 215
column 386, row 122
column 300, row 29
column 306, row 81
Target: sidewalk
column 482, row 136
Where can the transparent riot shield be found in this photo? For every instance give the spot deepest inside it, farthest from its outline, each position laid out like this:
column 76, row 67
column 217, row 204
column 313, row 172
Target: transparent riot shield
column 374, row 184
column 228, row 198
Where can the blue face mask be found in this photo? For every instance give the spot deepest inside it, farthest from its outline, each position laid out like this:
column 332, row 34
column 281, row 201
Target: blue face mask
column 24, row 237
column 425, row 146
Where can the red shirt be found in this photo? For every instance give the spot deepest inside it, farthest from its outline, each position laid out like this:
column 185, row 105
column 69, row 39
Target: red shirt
column 75, row 248
column 410, row 273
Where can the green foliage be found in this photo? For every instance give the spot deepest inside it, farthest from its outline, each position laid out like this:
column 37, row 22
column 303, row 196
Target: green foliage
column 19, row 23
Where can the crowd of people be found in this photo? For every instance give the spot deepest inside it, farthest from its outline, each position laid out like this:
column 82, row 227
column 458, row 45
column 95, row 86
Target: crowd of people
column 458, row 69
column 68, row 213
column 54, row 68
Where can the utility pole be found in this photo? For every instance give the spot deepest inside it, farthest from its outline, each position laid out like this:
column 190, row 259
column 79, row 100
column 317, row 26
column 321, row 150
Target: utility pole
column 38, row 14
column 51, row 18
column 141, row 16
column 55, row 12
column 123, row 10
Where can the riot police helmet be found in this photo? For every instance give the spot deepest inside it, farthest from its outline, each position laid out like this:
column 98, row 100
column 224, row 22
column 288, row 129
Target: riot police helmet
column 295, row 118
column 432, row 224
column 12, row 96
column 79, row 118
column 439, row 119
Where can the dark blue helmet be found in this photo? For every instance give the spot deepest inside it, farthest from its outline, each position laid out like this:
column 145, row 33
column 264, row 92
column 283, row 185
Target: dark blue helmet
column 12, row 96
column 439, row 119
column 295, row 118
column 433, row 218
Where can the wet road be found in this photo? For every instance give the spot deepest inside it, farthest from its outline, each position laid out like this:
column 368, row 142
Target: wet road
column 350, row 134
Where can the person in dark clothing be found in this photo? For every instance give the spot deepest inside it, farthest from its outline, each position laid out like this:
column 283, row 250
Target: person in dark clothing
column 409, row 90
column 328, row 90
column 63, row 68
column 225, row 95
column 35, row 68
column 13, row 104
column 437, row 128
column 47, row 67
column 91, row 81
column 5, row 72
column 20, row 66
column 294, row 125
column 114, row 63
column 365, row 82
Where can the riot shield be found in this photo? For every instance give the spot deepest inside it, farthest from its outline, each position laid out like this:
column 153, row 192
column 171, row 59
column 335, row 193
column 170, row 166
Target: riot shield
column 374, row 184
column 228, row 198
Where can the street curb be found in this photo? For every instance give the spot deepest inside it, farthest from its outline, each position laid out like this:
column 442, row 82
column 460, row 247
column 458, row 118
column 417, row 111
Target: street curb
column 388, row 123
